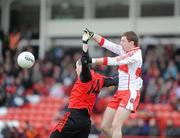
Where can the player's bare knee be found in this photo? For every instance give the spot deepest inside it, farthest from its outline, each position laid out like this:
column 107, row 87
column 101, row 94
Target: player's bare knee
column 116, row 125
column 103, row 128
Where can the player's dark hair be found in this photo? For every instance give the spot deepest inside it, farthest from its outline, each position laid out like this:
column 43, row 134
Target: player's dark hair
column 131, row 36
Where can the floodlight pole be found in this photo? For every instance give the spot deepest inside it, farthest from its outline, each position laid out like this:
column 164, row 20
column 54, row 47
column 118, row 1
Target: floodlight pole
column 42, row 33
column 5, row 15
column 176, row 8
column 134, row 12
column 89, row 8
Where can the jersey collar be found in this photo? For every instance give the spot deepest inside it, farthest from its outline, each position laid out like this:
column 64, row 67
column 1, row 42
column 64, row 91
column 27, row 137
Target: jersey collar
column 134, row 49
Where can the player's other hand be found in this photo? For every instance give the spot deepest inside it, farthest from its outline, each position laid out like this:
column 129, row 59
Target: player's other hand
column 91, row 34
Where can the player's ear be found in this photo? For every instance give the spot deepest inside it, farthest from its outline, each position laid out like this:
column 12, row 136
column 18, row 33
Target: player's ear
column 131, row 42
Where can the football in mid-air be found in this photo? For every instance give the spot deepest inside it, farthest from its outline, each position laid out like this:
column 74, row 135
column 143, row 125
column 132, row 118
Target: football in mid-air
column 25, row 60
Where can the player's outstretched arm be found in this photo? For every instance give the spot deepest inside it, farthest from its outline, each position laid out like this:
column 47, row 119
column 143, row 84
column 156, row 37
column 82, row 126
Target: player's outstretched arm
column 115, row 48
column 128, row 58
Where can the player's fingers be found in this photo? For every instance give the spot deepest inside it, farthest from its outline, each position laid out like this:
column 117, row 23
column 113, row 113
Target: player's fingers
column 85, row 31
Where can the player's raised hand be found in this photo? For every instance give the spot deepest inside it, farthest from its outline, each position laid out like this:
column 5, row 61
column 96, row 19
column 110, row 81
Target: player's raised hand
column 85, row 37
column 91, row 34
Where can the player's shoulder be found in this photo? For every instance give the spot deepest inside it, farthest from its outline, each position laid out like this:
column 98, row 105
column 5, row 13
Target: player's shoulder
column 96, row 75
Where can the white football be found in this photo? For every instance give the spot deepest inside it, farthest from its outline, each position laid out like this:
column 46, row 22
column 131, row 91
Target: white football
column 25, row 59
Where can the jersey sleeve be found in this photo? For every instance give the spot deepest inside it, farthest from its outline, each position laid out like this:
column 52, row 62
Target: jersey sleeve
column 128, row 58
column 115, row 48
column 85, row 75
column 110, row 81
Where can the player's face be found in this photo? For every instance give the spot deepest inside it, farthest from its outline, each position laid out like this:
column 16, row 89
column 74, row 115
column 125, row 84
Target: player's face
column 78, row 68
column 127, row 46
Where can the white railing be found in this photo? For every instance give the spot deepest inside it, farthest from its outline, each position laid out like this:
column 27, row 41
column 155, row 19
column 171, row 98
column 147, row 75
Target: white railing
column 114, row 27
column 77, row 42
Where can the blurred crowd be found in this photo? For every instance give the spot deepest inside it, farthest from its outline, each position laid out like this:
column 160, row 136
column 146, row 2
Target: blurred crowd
column 55, row 74
column 161, row 75
column 27, row 132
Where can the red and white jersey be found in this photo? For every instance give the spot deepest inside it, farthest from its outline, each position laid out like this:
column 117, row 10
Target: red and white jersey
column 129, row 63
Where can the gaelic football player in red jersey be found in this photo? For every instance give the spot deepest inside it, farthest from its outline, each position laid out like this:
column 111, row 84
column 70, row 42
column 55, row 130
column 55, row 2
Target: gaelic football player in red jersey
column 129, row 62
column 76, row 122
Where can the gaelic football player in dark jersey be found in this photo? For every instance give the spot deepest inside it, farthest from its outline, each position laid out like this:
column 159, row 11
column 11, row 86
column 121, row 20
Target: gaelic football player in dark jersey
column 76, row 122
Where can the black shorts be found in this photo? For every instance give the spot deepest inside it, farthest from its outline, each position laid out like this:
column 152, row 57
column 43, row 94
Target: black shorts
column 76, row 123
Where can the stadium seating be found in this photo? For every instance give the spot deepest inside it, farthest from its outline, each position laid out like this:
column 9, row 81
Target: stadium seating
column 37, row 115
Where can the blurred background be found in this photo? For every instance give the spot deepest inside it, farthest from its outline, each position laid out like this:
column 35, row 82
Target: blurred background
column 32, row 101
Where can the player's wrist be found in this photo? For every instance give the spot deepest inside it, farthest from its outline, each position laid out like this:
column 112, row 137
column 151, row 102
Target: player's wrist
column 94, row 35
column 85, row 48
column 93, row 60
column 85, row 41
